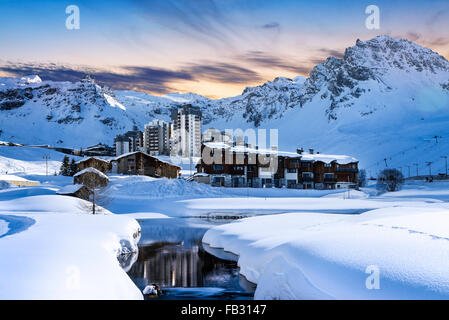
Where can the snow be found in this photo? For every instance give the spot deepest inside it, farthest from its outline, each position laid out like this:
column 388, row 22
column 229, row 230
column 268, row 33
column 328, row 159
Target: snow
column 91, row 170
column 3, row 227
column 9, row 82
column 70, row 189
column 311, row 244
column 326, row 158
column 114, row 103
column 28, row 160
column 394, row 115
column 6, row 185
column 325, row 256
column 163, row 159
column 11, row 177
column 73, row 254
column 89, row 158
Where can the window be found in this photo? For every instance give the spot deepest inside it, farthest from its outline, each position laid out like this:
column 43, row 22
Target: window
column 218, row 167
column 307, row 175
column 238, row 168
column 304, row 164
column 250, row 169
column 294, row 161
column 291, row 170
column 291, row 183
column 328, row 165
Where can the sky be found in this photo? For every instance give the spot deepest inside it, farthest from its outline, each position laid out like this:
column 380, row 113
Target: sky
column 214, row 48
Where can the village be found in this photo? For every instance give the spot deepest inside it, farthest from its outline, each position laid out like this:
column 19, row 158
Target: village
column 218, row 159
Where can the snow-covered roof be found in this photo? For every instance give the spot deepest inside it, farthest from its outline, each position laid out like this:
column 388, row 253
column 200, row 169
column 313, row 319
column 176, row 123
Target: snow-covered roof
column 93, row 170
column 11, row 177
column 88, row 158
column 326, row 158
column 200, row 174
column 154, row 157
column 72, row 188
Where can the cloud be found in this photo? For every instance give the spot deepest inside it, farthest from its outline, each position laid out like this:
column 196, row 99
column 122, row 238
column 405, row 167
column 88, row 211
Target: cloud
column 141, row 78
column 412, row 36
column 271, row 25
column 441, row 41
column 436, row 17
column 425, row 41
column 202, row 19
column 324, row 53
column 223, row 72
column 266, row 60
column 154, row 80
column 331, row 52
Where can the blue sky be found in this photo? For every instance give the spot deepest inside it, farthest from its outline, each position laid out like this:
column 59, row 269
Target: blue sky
column 215, row 48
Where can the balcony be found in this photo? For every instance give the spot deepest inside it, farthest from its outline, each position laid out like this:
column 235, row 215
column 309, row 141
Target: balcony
column 347, row 170
column 330, row 180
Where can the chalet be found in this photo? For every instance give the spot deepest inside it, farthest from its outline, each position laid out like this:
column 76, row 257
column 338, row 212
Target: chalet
column 94, row 162
column 91, row 177
column 141, row 163
column 242, row 166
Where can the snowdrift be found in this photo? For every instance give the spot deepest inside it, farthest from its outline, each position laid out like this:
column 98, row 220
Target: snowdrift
column 157, row 188
column 332, row 256
column 73, row 254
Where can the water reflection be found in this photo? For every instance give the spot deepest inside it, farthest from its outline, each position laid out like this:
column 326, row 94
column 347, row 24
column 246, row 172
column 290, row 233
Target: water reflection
column 171, row 255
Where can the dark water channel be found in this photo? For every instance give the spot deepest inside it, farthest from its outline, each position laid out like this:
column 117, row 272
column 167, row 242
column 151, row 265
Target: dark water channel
column 172, row 256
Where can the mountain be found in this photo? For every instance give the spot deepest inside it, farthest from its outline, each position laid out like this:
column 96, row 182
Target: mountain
column 386, row 98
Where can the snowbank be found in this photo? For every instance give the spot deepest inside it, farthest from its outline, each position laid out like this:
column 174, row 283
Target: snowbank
column 72, row 188
column 157, row 188
column 3, row 227
column 331, row 256
column 73, row 255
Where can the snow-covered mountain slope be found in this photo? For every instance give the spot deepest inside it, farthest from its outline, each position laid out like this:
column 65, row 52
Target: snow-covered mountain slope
column 61, row 113
column 27, row 160
column 386, row 98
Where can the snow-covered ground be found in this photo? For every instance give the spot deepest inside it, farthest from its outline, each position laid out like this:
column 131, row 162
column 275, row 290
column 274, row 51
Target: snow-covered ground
column 295, row 244
column 3, row 227
column 28, row 160
column 52, row 248
column 311, row 255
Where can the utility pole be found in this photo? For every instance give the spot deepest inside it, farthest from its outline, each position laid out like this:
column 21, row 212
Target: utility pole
column 415, row 164
column 46, row 157
column 445, row 158
column 408, row 171
column 386, row 164
column 429, row 164
column 400, row 169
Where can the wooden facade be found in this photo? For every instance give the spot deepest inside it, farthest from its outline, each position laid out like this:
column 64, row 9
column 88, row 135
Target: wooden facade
column 92, row 162
column 261, row 168
column 91, row 177
column 140, row 163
